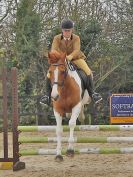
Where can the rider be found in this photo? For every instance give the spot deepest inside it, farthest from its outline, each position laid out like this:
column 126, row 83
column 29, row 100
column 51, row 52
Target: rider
column 70, row 43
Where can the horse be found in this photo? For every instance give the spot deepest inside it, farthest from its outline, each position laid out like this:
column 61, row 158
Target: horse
column 67, row 97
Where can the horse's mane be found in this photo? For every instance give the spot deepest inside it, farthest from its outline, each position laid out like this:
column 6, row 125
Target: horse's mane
column 55, row 56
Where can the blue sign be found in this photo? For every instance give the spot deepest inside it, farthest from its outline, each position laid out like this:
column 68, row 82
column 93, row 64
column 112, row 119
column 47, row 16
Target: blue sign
column 121, row 106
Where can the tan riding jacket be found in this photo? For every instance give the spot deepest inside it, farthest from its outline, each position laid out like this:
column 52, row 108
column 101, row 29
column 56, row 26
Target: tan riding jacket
column 71, row 46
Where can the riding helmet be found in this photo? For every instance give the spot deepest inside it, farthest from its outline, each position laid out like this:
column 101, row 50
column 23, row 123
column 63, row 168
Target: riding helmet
column 67, row 24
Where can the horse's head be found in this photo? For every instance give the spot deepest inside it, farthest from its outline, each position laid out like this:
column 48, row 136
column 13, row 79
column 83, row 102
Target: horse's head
column 57, row 71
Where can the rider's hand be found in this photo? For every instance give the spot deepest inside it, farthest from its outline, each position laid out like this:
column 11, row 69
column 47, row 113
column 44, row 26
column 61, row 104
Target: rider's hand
column 69, row 57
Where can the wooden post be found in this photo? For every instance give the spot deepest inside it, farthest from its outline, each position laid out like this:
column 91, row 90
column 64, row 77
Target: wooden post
column 5, row 158
column 17, row 165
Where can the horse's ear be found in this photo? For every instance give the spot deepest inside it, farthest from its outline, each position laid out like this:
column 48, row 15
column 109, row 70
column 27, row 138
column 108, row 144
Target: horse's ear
column 49, row 57
column 63, row 56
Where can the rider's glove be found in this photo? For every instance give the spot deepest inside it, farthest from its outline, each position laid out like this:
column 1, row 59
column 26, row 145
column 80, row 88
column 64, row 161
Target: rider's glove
column 69, row 57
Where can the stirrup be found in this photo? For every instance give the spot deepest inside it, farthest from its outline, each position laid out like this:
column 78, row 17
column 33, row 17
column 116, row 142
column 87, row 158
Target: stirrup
column 45, row 100
column 98, row 101
column 96, row 98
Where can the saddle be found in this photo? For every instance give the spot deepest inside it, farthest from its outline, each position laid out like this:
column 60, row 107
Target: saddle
column 82, row 75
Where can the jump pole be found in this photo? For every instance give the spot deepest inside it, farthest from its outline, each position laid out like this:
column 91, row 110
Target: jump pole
column 76, row 140
column 114, row 150
column 77, row 128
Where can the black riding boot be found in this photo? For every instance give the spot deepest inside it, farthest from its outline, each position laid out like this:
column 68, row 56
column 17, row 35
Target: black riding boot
column 46, row 99
column 96, row 97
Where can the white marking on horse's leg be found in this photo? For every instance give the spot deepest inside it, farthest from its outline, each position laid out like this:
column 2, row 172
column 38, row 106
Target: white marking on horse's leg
column 54, row 92
column 59, row 130
column 72, row 123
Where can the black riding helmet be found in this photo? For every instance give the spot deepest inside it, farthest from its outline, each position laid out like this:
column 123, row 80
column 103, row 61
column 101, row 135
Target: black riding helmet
column 67, row 24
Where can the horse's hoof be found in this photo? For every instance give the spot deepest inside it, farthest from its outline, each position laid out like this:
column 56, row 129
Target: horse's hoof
column 70, row 153
column 59, row 158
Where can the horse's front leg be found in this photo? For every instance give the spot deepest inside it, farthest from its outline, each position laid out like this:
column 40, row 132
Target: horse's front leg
column 59, row 130
column 72, row 123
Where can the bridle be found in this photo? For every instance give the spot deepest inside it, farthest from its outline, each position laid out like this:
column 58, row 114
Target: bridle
column 60, row 84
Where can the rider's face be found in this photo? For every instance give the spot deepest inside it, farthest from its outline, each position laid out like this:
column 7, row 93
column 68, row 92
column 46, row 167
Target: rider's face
column 67, row 32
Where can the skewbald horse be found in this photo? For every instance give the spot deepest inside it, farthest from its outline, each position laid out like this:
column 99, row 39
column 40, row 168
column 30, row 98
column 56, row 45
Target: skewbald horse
column 67, row 97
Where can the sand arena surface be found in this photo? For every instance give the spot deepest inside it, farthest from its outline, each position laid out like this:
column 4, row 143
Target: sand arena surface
column 84, row 165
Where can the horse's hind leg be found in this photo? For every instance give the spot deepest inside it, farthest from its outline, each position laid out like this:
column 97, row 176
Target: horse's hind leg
column 59, row 131
column 72, row 123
